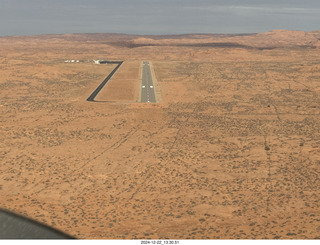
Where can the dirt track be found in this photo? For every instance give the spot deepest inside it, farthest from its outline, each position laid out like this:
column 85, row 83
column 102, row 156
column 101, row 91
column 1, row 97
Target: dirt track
column 233, row 154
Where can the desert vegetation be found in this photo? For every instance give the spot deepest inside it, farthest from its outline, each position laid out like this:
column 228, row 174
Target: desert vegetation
column 230, row 152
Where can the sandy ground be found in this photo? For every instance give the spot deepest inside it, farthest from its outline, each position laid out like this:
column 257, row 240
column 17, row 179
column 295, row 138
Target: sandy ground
column 124, row 86
column 231, row 151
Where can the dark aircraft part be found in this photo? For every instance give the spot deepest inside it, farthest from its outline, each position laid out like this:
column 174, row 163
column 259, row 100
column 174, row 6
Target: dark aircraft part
column 13, row 226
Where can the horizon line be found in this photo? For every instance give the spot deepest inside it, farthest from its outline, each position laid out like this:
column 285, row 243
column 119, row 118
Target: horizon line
column 136, row 34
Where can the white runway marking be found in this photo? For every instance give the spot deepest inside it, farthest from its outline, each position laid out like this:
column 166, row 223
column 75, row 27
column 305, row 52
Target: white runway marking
column 147, row 88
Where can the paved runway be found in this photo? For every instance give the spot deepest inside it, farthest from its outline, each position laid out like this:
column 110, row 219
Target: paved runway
column 147, row 89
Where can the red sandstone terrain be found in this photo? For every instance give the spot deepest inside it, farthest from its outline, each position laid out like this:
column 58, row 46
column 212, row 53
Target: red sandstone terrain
column 230, row 151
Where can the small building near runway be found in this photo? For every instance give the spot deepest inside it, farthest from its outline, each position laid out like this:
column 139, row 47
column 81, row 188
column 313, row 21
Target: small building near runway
column 101, row 62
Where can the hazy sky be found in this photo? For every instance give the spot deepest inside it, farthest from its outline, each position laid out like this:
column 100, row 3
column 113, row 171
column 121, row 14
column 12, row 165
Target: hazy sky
column 26, row 17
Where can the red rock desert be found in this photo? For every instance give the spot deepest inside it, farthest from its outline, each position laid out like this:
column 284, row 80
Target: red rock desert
column 230, row 150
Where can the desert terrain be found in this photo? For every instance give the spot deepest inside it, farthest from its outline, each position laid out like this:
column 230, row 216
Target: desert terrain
column 231, row 149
